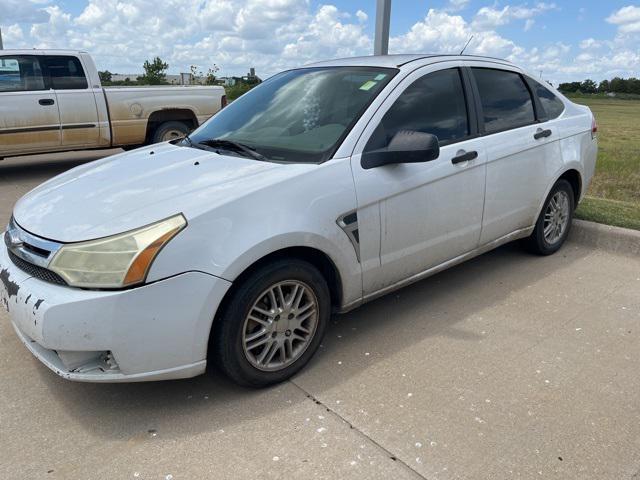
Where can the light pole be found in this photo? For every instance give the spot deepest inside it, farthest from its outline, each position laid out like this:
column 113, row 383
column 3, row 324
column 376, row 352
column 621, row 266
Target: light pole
column 383, row 15
column 1, row 47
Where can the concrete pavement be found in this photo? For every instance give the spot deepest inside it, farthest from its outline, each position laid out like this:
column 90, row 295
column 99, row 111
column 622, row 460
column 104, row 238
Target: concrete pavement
column 508, row 366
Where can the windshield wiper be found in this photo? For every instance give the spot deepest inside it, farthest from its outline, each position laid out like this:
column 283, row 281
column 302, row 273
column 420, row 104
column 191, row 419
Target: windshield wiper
column 224, row 144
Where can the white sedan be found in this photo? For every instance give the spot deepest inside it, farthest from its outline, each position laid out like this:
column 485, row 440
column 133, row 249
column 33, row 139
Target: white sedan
column 322, row 188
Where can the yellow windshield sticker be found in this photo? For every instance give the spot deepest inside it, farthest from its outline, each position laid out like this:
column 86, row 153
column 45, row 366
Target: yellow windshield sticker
column 368, row 85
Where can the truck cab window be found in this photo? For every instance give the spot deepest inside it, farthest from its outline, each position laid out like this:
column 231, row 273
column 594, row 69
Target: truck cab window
column 65, row 72
column 20, row 74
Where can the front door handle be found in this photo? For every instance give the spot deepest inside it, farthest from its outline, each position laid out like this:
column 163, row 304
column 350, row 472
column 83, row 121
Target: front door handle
column 46, row 101
column 463, row 156
column 541, row 134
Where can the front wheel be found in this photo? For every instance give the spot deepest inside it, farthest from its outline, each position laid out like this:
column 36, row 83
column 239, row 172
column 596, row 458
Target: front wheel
column 554, row 222
column 272, row 324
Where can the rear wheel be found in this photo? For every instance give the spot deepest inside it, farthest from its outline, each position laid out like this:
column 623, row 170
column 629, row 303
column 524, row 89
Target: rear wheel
column 554, row 222
column 168, row 131
column 272, row 324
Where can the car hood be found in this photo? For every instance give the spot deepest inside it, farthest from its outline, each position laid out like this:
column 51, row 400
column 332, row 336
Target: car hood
column 133, row 189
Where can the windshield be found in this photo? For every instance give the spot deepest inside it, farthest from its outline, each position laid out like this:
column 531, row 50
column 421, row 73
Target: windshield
column 296, row 116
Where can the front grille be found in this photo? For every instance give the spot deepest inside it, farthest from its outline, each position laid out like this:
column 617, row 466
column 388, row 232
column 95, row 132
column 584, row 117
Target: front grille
column 36, row 271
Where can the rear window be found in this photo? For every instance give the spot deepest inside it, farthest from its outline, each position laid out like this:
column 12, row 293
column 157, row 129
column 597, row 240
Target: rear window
column 20, row 74
column 552, row 105
column 66, row 73
column 506, row 101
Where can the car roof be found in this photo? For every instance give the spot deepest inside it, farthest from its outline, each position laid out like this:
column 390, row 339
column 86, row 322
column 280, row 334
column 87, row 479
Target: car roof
column 398, row 60
column 40, row 51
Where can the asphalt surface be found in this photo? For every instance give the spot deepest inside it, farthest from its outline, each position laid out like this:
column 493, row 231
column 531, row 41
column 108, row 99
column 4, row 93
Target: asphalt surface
column 508, row 366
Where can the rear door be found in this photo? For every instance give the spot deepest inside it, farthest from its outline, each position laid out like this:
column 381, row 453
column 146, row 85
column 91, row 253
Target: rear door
column 522, row 152
column 76, row 101
column 29, row 118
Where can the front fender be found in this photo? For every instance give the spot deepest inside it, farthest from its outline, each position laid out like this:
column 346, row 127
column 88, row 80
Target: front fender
column 297, row 210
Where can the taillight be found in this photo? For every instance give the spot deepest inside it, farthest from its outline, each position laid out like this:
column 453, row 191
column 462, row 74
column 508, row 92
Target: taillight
column 223, row 102
column 594, row 127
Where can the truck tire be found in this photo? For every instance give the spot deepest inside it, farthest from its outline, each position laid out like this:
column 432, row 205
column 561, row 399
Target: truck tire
column 170, row 131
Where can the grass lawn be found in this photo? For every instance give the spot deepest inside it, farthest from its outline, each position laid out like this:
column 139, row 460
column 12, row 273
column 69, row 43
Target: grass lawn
column 614, row 194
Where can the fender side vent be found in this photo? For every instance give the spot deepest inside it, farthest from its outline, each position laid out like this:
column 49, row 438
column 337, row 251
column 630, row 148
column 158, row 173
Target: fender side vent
column 349, row 224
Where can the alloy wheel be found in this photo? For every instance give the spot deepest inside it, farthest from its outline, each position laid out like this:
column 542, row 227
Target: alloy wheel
column 556, row 217
column 280, row 325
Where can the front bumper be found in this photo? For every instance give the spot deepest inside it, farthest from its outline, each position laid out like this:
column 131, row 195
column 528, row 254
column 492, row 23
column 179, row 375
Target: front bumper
column 154, row 332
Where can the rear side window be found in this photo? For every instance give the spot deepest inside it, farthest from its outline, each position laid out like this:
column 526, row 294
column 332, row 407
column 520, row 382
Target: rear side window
column 552, row 105
column 20, row 74
column 506, row 101
column 65, row 72
column 432, row 104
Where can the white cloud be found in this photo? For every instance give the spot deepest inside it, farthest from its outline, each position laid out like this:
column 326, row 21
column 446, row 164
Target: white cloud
column 12, row 34
column 363, row 17
column 590, row 43
column 272, row 35
column 21, row 11
column 457, row 5
column 627, row 19
column 492, row 17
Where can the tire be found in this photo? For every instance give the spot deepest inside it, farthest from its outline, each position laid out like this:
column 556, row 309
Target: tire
column 169, row 131
column 556, row 216
column 250, row 324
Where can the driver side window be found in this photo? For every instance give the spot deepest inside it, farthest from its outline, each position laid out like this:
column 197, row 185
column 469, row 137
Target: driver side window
column 432, row 104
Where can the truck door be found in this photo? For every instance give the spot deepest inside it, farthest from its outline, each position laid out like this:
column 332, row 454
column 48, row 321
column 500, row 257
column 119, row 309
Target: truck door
column 76, row 101
column 29, row 118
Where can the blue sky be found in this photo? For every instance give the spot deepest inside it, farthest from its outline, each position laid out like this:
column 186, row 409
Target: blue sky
column 565, row 40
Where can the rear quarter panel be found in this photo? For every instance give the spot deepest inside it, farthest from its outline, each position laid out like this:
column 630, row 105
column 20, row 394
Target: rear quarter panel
column 130, row 108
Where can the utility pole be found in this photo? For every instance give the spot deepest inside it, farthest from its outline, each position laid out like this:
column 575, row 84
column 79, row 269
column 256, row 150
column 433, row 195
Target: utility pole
column 383, row 16
column 1, row 47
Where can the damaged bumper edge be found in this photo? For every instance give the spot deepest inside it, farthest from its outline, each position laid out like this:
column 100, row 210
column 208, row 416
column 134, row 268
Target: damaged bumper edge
column 158, row 331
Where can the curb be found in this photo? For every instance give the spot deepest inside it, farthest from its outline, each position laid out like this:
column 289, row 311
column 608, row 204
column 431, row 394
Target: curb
column 614, row 239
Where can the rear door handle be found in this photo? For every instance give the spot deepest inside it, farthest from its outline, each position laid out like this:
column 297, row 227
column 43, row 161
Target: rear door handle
column 46, row 101
column 542, row 134
column 463, row 156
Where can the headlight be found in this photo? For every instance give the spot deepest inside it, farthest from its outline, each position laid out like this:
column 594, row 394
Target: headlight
column 118, row 261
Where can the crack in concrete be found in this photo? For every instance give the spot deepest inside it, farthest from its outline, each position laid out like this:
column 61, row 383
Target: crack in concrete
column 386, row 451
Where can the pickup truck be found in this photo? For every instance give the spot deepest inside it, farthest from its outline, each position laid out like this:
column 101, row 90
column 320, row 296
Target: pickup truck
column 52, row 101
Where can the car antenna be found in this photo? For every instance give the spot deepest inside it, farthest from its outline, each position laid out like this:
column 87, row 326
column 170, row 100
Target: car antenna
column 466, row 45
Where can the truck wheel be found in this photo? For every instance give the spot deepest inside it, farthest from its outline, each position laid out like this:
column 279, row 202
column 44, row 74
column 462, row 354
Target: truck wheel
column 170, row 131
column 272, row 324
column 554, row 222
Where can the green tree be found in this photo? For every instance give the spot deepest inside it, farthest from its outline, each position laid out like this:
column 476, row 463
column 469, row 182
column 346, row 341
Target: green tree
column 604, row 86
column 198, row 76
column 210, row 77
column 588, row 86
column 633, row 85
column 570, row 87
column 105, row 77
column 155, row 72
column 618, row 85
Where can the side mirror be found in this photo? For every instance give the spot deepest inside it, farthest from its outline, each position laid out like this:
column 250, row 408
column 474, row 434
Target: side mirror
column 406, row 146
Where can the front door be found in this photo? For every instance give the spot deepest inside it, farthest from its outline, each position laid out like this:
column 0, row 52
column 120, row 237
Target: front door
column 415, row 216
column 29, row 118
column 76, row 101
